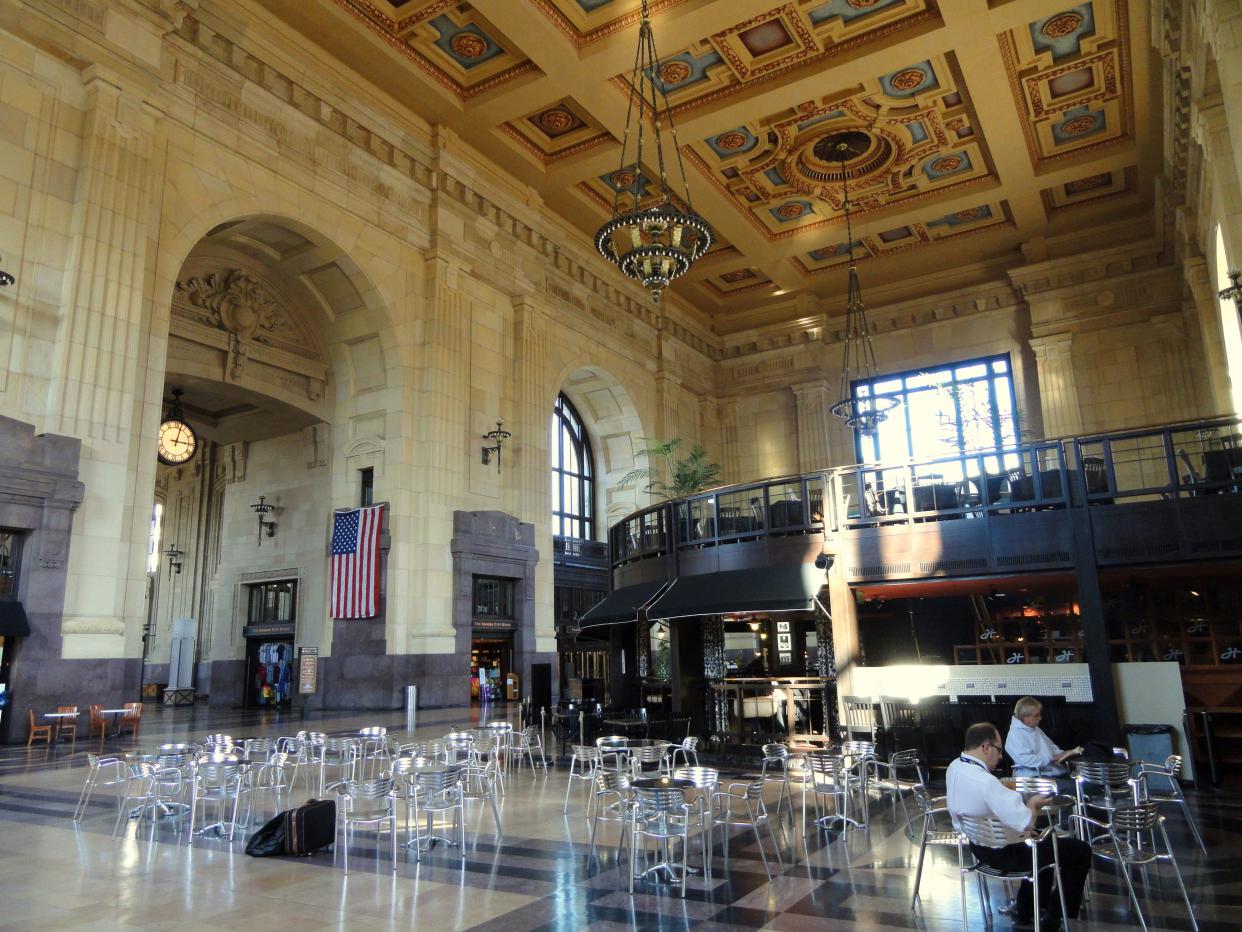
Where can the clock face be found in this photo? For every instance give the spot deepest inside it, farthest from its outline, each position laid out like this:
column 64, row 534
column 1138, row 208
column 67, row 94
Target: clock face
column 177, row 442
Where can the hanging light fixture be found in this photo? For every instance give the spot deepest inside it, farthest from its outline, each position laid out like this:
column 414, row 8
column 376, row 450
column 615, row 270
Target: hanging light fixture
column 657, row 243
column 862, row 414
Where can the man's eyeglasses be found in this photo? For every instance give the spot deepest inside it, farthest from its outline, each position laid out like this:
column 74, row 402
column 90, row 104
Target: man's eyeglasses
column 994, row 747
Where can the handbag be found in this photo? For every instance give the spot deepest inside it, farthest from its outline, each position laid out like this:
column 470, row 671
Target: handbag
column 269, row 841
column 310, row 827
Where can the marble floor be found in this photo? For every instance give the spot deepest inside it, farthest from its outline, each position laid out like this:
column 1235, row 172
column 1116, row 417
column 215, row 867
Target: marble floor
column 58, row 875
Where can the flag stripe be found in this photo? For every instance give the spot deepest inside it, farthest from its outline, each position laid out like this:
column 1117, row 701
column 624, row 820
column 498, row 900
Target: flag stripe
column 354, row 588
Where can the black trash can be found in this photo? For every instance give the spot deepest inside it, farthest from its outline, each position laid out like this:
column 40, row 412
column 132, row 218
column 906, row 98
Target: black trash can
column 1151, row 743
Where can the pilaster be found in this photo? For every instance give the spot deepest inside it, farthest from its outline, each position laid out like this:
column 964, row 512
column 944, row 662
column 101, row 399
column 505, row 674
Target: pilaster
column 730, row 451
column 814, row 405
column 1206, row 314
column 1058, row 389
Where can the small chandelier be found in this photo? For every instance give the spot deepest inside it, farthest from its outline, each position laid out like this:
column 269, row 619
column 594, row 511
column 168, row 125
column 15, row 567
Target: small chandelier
column 1234, row 291
column 863, row 415
column 657, row 243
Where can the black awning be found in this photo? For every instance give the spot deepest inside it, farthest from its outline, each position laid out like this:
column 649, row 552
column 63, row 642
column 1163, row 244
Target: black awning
column 621, row 604
column 787, row 588
column 13, row 623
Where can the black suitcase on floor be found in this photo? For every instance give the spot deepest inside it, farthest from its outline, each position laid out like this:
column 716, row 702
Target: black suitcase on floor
column 310, row 827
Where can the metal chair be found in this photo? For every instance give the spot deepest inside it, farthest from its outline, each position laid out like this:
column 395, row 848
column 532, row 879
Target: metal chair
column 440, row 791
column 1103, row 786
column 937, row 831
column 102, row 771
column 220, row 743
column 583, row 764
column 689, row 748
column 458, row 745
column 482, row 773
column 270, row 777
column 373, row 750
column 613, row 803
column 616, row 748
column 153, row 790
column 664, row 815
column 1129, row 840
column 724, row 812
column 369, row 802
column 860, row 762
column 503, row 731
column 775, row 769
column 889, row 777
column 258, row 750
column 1170, row 790
column 647, row 760
column 527, row 742
column 829, row 777
column 341, row 754
column 992, row 833
column 214, row 778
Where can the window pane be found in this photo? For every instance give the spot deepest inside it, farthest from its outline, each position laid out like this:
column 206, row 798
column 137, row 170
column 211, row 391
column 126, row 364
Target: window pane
column 974, row 371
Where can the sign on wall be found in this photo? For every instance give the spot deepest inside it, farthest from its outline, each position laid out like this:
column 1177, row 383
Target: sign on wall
column 308, row 670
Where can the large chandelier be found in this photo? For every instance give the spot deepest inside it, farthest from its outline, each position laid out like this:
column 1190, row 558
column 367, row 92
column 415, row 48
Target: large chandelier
column 862, row 413
column 657, row 243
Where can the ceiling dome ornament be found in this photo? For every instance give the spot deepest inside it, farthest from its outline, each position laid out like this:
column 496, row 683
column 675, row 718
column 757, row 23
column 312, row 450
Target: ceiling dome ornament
column 659, row 242
column 864, row 413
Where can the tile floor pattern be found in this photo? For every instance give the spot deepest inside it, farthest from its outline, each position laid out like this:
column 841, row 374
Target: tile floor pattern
column 54, row 875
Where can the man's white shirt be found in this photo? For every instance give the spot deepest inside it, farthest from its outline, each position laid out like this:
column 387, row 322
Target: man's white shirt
column 974, row 791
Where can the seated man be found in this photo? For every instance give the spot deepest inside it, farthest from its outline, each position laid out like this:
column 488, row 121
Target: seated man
column 1032, row 751
column 974, row 791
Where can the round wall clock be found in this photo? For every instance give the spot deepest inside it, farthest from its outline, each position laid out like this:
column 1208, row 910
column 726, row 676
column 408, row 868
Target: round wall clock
column 177, row 440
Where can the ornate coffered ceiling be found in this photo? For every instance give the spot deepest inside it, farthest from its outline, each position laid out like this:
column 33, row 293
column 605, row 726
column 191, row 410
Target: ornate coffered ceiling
column 975, row 127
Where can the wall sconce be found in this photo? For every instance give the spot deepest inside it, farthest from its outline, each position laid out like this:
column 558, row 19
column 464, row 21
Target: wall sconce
column 1234, row 291
column 174, row 559
column 263, row 509
column 6, row 279
column 497, row 437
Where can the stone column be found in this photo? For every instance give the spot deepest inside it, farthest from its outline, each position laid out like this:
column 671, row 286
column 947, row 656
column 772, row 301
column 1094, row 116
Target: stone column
column 814, row 405
column 1182, row 397
column 1058, row 390
column 97, row 372
column 709, row 425
column 1211, row 337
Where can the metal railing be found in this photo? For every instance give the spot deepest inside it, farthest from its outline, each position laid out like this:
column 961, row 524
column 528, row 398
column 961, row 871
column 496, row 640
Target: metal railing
column 1153, row 464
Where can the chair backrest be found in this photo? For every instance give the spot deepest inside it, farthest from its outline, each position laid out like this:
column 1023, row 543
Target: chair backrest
column 702, row 777
column 133, row 710
column 1108, row 774
column 859, row 713
column 1173, row 764
column 825, row 768
column 216, row 741
column 989, row 832
column 438, row 781
column 258, row 747
column 648, row 754
column 858, row 748
column 373, row 731
column 531, row 734
column 897, row 713
column 1037, row 786
column 611, row 781
column 775, row 752
column 904, row 760
column 925, row 801
column 585, row 752
column 95, row 712
column 366, row 789
column 689, row 743
column 1135, row 818
column 67, row 708
column 657, row 799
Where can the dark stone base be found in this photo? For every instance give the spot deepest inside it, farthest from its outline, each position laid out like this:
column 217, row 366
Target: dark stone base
column 221, row 681
column 155, row 673
column 52, row 682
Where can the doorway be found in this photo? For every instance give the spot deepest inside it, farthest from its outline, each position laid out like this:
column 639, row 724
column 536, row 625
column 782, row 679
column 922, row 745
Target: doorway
column 492, row 678
column 269, row 673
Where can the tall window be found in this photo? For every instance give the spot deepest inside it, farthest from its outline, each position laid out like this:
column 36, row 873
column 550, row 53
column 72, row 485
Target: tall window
column 573, row 474
column 944, row 411
column 10, row 562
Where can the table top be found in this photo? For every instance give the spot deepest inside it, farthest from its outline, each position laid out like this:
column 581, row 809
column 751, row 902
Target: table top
column 662, row 783
column 61, row 714
column 113, row 711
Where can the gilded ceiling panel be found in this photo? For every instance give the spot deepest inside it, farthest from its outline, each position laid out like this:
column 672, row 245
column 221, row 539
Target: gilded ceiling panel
column 985, row 215
column 562, row 129
column 587, row 21
column 449, row 40
column 786, row 37
column 909, row 135
column 1070, row 75
column 1090, row 188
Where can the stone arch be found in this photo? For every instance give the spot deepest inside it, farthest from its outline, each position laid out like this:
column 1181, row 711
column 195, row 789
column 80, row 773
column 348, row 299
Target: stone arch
column 612, row 421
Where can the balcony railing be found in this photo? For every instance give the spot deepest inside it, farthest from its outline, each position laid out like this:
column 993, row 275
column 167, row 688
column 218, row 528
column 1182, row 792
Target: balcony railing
column 1156, row 464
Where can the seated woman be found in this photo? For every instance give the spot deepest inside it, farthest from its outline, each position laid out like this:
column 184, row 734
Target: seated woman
column 1033, row 753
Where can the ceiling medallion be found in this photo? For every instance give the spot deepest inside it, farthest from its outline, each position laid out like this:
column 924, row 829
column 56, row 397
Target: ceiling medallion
column 556, row 120
column 660, row 242
column 863, row 414
column 1078, row 125
column 468, row 45
column 731, row 140
column 674, row 72
column 908, row 80
column 1061, row 25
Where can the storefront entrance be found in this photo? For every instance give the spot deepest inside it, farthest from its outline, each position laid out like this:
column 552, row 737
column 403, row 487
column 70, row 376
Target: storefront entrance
column 269, row 672
column 492, row 677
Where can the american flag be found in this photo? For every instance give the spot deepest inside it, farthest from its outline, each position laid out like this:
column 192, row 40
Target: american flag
column 355, row 562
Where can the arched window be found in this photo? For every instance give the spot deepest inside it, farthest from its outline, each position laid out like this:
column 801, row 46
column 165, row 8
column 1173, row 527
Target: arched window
column 573, row 474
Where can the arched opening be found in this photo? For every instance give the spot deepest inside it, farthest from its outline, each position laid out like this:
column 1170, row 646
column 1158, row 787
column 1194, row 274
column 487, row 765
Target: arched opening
column 274, row 336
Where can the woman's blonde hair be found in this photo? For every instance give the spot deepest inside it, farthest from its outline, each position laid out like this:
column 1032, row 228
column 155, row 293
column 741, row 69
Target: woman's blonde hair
column 1025, row 706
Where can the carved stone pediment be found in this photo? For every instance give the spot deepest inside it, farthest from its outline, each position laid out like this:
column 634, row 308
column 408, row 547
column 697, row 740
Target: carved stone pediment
column 235, row 301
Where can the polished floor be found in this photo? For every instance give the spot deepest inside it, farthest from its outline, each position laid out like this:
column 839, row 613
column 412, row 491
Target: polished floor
column 55, row 875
